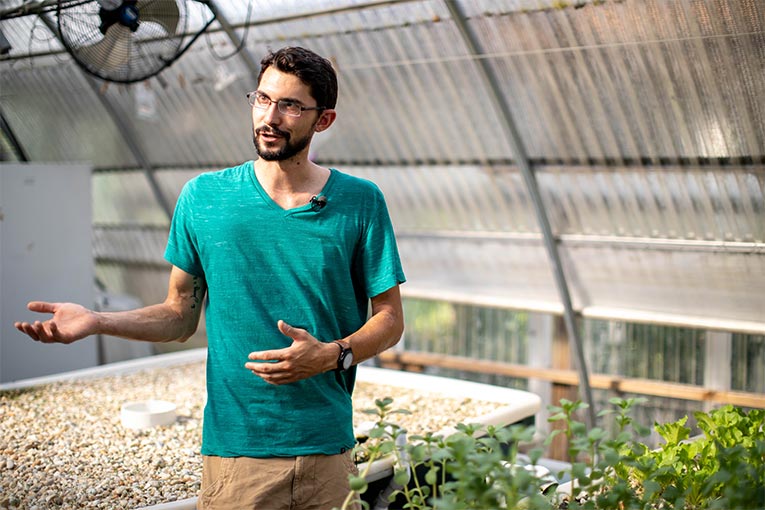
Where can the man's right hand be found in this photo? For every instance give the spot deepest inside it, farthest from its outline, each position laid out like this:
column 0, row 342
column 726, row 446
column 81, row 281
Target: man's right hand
column 70, row 322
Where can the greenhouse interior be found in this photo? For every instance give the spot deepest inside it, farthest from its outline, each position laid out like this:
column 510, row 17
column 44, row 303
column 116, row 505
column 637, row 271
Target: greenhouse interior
column 577, row 192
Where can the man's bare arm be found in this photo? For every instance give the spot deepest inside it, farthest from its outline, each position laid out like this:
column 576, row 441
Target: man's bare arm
column 384, row 328
column 175, row 319
column 307, row 356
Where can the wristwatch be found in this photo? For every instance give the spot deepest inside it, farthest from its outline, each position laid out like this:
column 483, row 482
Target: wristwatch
column 345, row 359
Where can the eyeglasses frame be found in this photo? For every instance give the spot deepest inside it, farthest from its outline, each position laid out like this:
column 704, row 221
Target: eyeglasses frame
column 253, row 103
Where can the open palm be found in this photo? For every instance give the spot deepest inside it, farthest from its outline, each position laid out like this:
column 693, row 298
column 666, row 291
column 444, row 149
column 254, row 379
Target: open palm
column 70, row 322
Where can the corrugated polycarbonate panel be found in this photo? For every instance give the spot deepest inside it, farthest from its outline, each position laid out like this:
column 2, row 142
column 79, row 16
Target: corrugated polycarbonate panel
column 693, row 285
column 148, row 284
column 695, row 203
column 712, row 204
column 236, row 11
column 643, row 239
column 464, row 198
column 633, row 80
column 56, row 116
column 613, row 81
column 482, row 270
column 412, row 90
column 28, row 34
column 125, row 198
column 129, row 227
column 193, row 116
column 131, row 245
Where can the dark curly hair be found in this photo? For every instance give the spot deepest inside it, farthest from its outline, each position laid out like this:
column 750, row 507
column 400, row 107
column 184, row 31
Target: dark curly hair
column 312, row 69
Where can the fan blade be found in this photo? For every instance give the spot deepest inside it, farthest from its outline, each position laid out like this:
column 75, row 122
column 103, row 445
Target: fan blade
column 162, row 12
column 111, row 52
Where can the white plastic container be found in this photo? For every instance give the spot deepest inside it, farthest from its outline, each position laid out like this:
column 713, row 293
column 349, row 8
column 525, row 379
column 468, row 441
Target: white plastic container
column 145, row 414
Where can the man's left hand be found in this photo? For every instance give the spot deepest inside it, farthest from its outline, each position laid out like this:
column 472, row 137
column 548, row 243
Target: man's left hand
column 305, row 358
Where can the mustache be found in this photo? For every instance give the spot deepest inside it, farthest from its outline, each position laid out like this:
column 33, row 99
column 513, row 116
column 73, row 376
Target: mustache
column 272, row 131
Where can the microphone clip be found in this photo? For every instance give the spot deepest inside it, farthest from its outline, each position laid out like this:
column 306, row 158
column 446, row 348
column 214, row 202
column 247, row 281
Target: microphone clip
column 318, row 202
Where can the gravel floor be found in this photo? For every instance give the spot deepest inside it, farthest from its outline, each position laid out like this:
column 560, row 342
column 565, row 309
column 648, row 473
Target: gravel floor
column 62, row 445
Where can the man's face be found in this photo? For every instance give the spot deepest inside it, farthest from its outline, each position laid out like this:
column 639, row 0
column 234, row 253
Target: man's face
column 278, row 137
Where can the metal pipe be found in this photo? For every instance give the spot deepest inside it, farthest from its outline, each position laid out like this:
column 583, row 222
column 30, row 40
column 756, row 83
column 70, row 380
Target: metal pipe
column 638, row 243
column 244, row 53
column 487, row 75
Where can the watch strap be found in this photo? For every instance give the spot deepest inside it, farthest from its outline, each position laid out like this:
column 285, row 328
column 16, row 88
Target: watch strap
column 345, row 352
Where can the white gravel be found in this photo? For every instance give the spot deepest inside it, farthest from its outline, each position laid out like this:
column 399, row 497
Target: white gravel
column 62, row 444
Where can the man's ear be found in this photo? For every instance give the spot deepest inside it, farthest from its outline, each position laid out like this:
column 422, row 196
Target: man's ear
column 326, row 119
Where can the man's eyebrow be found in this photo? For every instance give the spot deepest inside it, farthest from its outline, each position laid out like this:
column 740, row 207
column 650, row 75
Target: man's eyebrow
column 291, row 99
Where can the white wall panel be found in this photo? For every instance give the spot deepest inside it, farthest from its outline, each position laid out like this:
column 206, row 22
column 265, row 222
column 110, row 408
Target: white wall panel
column 45, row 254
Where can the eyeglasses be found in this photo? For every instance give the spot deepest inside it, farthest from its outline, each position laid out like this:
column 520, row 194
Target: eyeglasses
column 285, row 106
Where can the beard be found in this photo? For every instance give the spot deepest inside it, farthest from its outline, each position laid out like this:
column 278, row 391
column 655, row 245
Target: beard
column 288, row 150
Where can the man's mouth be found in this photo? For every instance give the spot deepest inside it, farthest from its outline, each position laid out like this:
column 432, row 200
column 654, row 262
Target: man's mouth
column 271, row 135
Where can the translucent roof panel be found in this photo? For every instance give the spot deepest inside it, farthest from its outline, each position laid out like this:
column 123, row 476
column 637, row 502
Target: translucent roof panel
column 131, row 245
column 28, row 34
column 146, row 283
column 608, row 82
column 693, row 203
column 640, row 239
column 695, row 286
column 125, row 198
column 453, row 198
column 56, row 116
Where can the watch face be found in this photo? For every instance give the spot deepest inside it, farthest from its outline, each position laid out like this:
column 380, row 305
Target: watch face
column 347, row 359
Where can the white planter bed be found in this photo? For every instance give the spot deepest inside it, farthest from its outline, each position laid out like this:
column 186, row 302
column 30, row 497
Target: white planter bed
column 516, row 405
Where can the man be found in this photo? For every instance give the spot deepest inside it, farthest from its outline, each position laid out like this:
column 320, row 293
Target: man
column 290, row 255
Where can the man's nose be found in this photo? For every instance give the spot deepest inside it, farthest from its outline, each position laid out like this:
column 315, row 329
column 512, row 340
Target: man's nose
column 272, row 115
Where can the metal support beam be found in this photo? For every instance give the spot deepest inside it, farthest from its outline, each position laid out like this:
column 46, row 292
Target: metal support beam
column 491, row 82
column 124, row 129
column 11, row 137
column 252, row 65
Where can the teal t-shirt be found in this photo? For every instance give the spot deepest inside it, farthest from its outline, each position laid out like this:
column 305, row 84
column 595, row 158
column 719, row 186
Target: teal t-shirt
column 313, row 267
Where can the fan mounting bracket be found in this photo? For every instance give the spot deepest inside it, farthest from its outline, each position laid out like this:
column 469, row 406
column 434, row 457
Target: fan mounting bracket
column 126, row 14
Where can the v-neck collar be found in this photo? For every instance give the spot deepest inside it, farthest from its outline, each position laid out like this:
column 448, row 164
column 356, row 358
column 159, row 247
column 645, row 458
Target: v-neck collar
column 272, row 203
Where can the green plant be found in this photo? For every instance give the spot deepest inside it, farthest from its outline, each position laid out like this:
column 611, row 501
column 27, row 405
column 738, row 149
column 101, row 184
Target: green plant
column 381, row 442
column 723, row 469
column 479, row 468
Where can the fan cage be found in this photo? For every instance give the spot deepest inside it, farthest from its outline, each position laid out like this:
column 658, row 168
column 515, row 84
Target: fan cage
column 121, row 54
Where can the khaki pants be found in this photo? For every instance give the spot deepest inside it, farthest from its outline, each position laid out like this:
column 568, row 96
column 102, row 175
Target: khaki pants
column 314, row 482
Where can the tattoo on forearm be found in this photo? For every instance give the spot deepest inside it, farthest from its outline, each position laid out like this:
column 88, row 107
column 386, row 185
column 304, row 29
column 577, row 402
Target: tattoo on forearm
column 195, row 297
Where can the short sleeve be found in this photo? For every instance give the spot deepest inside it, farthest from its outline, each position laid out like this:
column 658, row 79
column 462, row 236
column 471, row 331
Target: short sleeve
column 182, row 248
column 379, row 258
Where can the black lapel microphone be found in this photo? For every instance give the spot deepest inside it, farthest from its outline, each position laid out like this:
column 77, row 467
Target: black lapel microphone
column 318, row 202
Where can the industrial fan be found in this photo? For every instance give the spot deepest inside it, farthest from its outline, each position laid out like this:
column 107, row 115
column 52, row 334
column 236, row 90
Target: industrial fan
column 124, row 40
